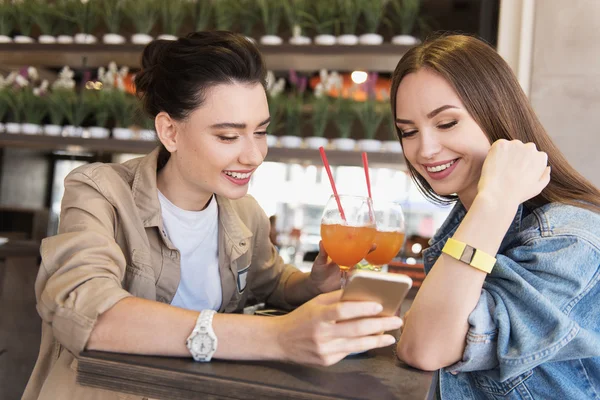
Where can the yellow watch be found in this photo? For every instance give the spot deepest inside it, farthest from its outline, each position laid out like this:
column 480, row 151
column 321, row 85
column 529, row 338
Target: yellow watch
column 469, row 255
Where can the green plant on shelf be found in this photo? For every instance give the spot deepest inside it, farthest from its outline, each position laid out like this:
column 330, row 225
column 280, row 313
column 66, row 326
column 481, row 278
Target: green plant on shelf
column 344, row 116
column 403, row 16
column 349, row 15
column 57, row 104
column 321, row 102
column 173, row 14
column 373, row 12
column 296, row 15
column 123, row 107
column 294, row 104
column 142, row 14
column 86, row 14
column 47, row 16
column 23, row 11
column 323, row 17
column 7, row 17
column 112, row 12
column 201, row 12
column 276, row 102
column 32, row 103
column 370, row 112
column 67, row 12
column 248, row 15
column 271, row 13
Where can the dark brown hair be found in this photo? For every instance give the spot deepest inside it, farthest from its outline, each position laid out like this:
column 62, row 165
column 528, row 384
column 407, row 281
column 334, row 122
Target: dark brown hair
column 493, row 97
column 176, row 75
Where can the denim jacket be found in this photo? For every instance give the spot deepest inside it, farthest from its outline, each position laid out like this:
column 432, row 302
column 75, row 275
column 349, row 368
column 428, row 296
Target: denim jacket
column 535, row 332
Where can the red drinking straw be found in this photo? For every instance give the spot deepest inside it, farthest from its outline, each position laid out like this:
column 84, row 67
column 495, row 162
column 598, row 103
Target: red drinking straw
column 365, row 161
column 328, row 169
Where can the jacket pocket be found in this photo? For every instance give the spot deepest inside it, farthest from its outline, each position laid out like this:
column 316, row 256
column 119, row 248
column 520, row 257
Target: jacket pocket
column 512, row 389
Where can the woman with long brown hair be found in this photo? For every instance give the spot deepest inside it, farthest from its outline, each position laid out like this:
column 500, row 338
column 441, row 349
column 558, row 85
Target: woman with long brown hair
column 509, row 304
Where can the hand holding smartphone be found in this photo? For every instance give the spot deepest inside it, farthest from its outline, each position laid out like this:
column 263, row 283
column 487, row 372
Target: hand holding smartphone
column 387, row 289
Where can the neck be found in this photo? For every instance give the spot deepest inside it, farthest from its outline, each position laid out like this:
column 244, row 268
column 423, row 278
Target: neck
column 174, row 187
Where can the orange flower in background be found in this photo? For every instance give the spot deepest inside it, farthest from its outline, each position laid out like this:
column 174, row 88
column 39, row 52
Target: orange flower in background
column 382, row 88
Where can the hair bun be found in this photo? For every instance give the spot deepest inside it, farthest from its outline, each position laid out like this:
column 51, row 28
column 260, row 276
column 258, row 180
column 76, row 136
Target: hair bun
column 154, row 52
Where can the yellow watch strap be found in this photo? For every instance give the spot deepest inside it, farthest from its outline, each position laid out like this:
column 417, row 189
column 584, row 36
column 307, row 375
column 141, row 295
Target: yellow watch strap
column 469, row 255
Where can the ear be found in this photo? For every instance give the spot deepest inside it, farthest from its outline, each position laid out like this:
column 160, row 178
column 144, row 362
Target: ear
column 166, row 130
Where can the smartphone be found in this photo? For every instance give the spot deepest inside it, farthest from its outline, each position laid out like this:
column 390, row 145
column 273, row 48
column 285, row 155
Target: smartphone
column 387, row 289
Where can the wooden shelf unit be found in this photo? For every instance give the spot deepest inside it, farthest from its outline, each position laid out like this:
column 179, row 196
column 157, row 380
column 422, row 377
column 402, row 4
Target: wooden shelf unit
column 303, row 156
column 382, row 58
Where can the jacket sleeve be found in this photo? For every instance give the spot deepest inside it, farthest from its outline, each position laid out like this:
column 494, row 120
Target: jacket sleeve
column 272, row 272
column 82, row 266
column 536, row 307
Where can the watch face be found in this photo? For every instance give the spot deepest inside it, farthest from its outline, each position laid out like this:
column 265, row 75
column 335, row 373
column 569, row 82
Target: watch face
column 202, row 344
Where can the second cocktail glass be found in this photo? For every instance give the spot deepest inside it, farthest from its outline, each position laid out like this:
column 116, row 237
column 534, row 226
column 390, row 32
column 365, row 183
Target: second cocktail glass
column 348, row 241
column 390, row 234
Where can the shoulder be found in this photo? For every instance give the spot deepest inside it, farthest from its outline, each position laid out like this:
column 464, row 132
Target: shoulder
column 110, row 180
column 556, row 220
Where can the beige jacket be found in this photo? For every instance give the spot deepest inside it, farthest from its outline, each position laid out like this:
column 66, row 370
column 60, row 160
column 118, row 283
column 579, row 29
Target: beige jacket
column 111, row 244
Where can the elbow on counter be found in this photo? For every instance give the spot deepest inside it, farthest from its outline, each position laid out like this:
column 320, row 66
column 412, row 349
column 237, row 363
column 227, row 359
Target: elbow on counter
column 424, row 358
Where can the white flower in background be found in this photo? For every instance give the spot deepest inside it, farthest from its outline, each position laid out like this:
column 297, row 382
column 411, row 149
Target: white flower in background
column 274, row 87
column 32, row 73
column 65, row 79
column 101, row 72
column 112, row 67
column 124, row 71
column 120, row 84
column 319, row 90
column 21, row 81
column 84, row 1
column 44, row 85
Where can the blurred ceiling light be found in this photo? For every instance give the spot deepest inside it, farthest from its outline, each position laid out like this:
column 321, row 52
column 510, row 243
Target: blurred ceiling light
column 359, row 77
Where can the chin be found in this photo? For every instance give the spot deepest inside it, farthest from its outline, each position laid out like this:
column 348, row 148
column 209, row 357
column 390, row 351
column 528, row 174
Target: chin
column 233, row 194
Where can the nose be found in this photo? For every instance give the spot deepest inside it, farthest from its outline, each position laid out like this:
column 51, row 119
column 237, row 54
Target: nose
column 254, row 152
column 429, row 145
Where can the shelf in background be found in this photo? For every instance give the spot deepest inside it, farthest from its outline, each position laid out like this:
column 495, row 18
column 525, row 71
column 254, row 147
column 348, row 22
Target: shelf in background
column 382, row 58
column 302, row 156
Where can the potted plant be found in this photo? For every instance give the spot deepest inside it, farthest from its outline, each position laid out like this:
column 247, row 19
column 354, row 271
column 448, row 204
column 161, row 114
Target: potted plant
column 248, row 14
column 34, row 108
column 393, row 143
column 293, row 106
column 143, row 15
column 373, row 12
column 6, row 21
column 86, row 14
column 47, row 18
column 349, row 16
column 274, row 90
column 343, row 117
column 202, row 13
column 123, row 109
column 67, row 13
column 6, row 97
column 112, row 12
column 403, row 16
column 98, row 104
column 173, row 14
column 270, row 11
column 23, row 11
column 321, row 107
column 322, row 18
column 225, row 14
column 11, row 85
column 296, row 12
column 62, row 90
column 370, row 114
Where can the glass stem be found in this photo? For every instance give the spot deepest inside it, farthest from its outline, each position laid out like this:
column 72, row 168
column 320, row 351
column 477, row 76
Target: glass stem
column 343, row 278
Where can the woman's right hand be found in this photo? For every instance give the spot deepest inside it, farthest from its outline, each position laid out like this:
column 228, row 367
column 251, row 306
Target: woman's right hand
column 325, row 330
column 514, row 171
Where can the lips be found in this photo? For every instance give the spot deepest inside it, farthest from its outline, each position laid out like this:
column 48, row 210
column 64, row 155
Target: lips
column 238, row 177
column 441, row 170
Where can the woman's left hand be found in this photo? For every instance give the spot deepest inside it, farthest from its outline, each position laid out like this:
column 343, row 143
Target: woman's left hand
column 325, row 274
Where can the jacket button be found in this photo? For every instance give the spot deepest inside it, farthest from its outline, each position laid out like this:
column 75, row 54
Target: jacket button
column 243, row 243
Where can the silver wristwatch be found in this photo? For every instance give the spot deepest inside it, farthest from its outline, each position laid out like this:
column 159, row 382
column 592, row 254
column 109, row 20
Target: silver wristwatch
column 202, row 342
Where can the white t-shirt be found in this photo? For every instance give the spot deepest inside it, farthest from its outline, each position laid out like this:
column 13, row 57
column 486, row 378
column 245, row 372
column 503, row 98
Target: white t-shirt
column 195, row 234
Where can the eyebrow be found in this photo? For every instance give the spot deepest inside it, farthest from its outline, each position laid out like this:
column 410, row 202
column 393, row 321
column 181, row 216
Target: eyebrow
column 237, row 125
column 430, row 115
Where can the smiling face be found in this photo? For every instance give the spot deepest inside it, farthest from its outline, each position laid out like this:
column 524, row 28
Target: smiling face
column 439, row 137
column 217, row 148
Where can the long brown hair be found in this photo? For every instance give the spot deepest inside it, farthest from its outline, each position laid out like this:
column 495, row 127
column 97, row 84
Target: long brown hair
column 493, row 97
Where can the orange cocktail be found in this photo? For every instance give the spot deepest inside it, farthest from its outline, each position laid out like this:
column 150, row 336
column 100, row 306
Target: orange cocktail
column 347, row 245
column 388, row 245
